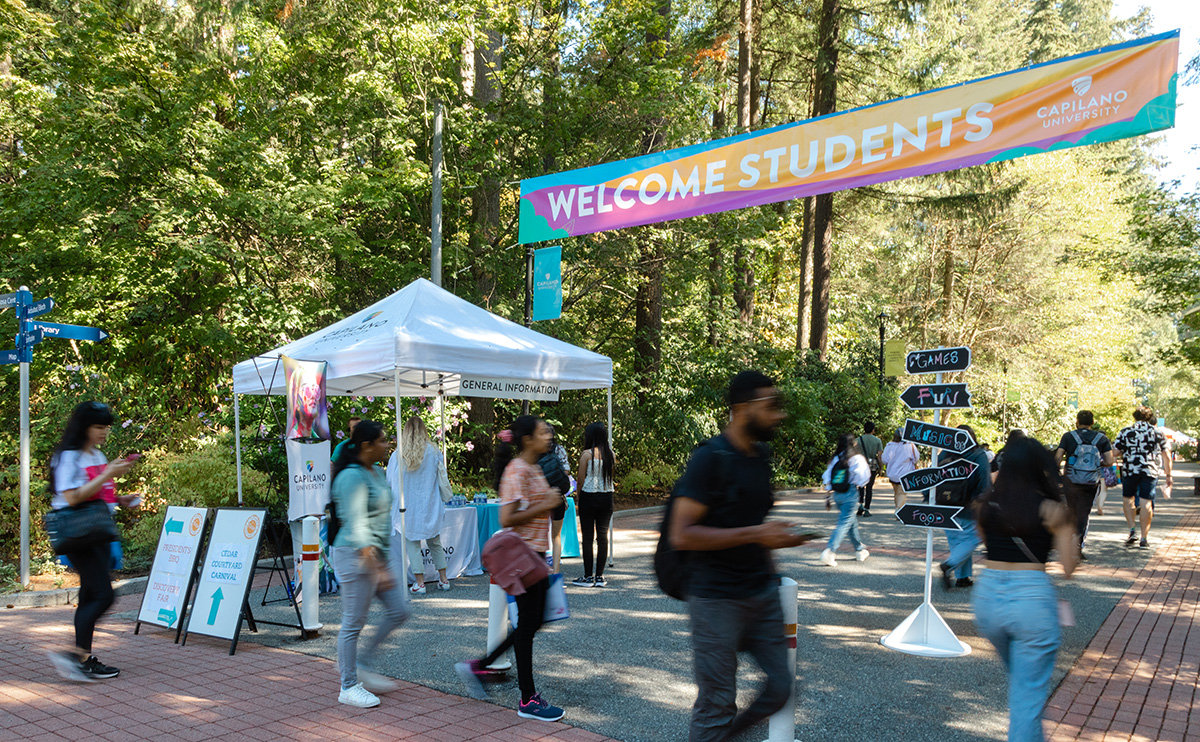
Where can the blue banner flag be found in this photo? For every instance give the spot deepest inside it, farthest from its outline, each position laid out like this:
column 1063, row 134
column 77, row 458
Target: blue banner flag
column 547, row 283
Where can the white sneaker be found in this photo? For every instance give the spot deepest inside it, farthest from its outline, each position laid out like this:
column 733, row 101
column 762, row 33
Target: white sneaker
column 861, row 555
column 358, row 696
column 416, row 589
column 443, row 586
column 376, row 683
column 827, row 558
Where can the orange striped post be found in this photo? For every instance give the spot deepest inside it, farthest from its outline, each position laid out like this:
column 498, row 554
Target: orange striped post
column 783, row 721
column 309, row 587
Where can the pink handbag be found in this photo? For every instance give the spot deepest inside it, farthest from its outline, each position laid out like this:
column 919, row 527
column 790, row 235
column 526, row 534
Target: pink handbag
column 513, row 564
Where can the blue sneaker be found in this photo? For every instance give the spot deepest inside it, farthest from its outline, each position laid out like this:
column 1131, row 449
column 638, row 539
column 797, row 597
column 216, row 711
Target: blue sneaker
column 536, row 708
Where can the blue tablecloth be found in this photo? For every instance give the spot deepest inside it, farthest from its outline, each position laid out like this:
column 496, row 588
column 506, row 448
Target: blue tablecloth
column 489, row 523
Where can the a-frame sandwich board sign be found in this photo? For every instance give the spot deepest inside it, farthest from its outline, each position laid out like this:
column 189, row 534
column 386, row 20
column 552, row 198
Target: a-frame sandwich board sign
column 173, row 573
column 226, row 574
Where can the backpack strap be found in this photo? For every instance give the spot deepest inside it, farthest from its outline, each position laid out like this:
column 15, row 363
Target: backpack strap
column 1077, row 437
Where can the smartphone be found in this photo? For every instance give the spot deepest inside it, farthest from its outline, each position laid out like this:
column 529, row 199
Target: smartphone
column 132, row 456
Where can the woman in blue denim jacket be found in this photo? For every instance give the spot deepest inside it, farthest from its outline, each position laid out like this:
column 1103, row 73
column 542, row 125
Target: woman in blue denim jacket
column 1016, row 607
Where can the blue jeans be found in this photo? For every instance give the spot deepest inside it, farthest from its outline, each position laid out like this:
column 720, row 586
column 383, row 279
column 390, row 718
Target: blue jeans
column 962, row 546
column 720, row 627
column 1018, row 613
column 847, row 524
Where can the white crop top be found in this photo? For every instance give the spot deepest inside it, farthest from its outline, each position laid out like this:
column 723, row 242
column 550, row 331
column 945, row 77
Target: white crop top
column 594, row 477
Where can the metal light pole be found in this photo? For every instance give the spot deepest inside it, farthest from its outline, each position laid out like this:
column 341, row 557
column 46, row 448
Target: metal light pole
column 882, row 316
column 435, row 256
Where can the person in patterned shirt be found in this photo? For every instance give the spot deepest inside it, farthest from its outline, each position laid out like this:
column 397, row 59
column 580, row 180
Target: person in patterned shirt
column 1141, row 446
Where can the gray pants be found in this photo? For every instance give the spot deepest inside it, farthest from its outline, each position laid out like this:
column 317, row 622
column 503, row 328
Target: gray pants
column 358, row 586
column 721, row 627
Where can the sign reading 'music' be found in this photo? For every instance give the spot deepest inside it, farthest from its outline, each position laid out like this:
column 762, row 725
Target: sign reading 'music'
column 482, row 386
column 1099, row 96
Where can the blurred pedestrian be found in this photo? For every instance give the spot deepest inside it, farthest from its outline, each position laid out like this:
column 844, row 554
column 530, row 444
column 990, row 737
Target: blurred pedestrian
column 556, row 468
column 80, row 472
column 526, row 500
column 847, row 471
column 871, row 447
column 718, row 513
column 900, row 457
column 426, row 486
column 1021, row 518
column 1086, row 452
column 959, row 567
column 1144, row 454
column 361, row 560
column 596, row 465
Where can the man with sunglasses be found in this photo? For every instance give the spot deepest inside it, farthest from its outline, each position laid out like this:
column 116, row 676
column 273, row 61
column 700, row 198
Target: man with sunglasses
column 719, row 513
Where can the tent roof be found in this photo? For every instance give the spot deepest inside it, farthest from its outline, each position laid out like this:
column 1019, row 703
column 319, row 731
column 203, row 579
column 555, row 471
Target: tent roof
column 425, row 334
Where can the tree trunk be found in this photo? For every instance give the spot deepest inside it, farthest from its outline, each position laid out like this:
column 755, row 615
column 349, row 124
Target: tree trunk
column 745, row 62
column 828, row 34
column 485, row 217
column 647, row 330
column 804, row 290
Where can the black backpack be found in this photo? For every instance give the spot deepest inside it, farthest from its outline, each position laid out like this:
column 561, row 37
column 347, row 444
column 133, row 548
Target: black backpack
column 672, row 567
column 552, row 470
column 958, row 492
column 839, row 477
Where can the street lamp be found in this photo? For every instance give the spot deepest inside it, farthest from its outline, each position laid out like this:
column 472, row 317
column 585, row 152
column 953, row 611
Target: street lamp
column 881, row 317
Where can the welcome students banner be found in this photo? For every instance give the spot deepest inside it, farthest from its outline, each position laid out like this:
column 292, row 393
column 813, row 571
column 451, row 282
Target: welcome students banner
column 1100, row 96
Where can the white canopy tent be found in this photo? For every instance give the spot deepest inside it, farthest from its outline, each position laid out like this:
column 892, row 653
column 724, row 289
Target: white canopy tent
column 422, row 340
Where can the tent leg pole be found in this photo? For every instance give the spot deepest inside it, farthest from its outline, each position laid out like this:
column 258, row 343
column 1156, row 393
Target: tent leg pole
column 237, row 444
column 442, row 408
column 403, row 545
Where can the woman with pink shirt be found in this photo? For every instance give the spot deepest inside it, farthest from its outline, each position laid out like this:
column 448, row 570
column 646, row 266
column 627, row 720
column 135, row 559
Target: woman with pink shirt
column 526, row 500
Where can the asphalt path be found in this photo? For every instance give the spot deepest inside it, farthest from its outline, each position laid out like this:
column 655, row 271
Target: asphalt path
column 621, row 665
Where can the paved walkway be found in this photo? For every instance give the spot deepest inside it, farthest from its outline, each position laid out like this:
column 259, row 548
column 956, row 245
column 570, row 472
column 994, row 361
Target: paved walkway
column 1134, row 678
column 1138, row 676
column 167, row 693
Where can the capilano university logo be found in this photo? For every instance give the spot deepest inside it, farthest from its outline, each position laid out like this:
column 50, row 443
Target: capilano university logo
column 309, row 464
column 1105, row 104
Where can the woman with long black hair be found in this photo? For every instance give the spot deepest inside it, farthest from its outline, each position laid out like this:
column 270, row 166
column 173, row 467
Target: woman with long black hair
column 1016, row 608
column 526, row 500
column 361, row 553
column 595, row 502
column 79, row 472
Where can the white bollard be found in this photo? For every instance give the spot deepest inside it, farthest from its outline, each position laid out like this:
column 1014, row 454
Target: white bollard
column 497, row 624
column 783, row 721
column 309, row 587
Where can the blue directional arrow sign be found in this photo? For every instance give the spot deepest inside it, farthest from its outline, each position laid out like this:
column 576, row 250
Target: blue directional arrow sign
column 217, row 597
column 9, row 356
column 174, row 526
column 10, row 300
column 71, row 332
column 39, row 307
column 31, row 338
column 168, row 615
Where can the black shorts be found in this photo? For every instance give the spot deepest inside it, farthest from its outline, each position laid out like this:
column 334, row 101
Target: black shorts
column 560, row 512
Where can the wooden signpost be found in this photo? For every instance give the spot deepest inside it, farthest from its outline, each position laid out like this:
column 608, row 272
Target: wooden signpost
column 936, row 397
column 930, row 516
column 925, row 479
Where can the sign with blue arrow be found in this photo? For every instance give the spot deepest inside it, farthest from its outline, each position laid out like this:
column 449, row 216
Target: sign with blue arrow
column 27, row 339
column 10, row 300
column 226, row 572
column 174, row 570
column 71, row 332
column 39, row 307
column 10, row 356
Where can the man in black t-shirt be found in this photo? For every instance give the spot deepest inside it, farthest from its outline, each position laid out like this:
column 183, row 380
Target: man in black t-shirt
column 1080, row 483
column 719, row 512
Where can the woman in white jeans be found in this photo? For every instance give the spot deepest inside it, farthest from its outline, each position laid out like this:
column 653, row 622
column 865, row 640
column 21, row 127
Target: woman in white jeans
column 362, row 503
column 426, row 491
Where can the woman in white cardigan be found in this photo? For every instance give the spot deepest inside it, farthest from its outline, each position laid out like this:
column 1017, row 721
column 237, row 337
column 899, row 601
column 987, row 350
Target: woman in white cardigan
column 426, row 492
column 900, row 457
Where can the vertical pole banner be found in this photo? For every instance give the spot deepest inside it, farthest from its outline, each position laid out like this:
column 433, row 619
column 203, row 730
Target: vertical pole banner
column 307, row 445
column 1100, row 96
column 547, row 283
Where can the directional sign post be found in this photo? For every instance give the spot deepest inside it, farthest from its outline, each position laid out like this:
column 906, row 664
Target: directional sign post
column 936, row 397
column 29, row 334
column 940, row 360
column 924, row 632
column 925, row 479
column 930, row 516
column 955, row 440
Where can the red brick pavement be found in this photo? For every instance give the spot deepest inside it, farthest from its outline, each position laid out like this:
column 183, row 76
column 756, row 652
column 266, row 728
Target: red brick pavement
column 199, row 692
column 1136, row 681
